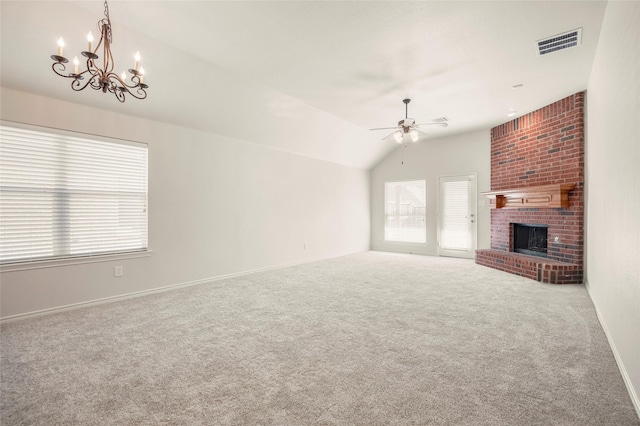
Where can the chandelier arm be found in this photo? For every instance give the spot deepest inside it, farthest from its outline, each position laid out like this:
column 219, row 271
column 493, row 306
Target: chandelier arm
column 61, row 67
column 101, row 32
column 140, row 93
column 116, row 79
column 91, row 66
column 105, row 40
column 96, row 81
column 109, row 68
column 119, row 95
column 112, row 85
column 118, row 87
column 77, row 84
column 91, row 80
column 135, row 79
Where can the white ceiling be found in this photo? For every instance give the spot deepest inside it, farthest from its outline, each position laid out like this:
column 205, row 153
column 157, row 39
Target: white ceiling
column 312, row 76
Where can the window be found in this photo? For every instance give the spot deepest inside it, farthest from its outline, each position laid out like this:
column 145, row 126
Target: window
column 65, row 196
column 405, row 211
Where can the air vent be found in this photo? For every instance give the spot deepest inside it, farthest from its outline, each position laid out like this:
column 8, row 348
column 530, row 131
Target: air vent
column 559, row 42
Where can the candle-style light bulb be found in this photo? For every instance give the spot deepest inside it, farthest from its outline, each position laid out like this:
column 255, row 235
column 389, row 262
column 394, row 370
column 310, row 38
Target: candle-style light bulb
column 76, row 62
column 123, row 76
column 137, row 58
column 90, row 41
column 141, row 74
column 60, row 46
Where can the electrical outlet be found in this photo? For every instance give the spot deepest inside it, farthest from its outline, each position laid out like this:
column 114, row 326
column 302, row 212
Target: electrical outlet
column 118, row 271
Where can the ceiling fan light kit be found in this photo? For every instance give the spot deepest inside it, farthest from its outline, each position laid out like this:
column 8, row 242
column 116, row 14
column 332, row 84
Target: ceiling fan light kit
column 102, row 78
column 408, row 126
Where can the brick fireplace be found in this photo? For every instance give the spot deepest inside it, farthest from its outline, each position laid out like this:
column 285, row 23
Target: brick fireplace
column 539, row 150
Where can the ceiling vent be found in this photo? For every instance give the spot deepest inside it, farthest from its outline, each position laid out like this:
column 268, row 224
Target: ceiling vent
column 559, row 42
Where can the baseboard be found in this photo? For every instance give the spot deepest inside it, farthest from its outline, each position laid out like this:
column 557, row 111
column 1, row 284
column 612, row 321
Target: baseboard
column 170, row 287
column 625, row 376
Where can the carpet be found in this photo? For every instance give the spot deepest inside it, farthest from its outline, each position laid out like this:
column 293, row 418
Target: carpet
column 367, row 339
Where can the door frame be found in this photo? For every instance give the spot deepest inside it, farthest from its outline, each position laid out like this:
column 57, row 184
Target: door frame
column 473, row 212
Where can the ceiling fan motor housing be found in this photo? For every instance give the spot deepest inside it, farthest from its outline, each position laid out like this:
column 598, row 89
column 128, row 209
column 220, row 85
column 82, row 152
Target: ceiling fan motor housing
column 406, row 124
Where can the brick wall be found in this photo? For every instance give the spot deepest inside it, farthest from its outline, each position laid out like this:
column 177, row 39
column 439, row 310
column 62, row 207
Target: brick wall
column 543, row 147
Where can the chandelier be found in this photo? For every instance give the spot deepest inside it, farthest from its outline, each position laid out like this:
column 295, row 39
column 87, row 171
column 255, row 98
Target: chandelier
column 101, row 78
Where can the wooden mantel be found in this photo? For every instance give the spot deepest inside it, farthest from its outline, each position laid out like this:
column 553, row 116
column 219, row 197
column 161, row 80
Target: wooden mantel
column 546, row 196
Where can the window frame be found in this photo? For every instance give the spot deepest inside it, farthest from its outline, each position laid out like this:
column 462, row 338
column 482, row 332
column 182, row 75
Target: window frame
column 82, row 258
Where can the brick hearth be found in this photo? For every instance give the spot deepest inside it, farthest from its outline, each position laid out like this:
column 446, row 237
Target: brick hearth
column 540, row 148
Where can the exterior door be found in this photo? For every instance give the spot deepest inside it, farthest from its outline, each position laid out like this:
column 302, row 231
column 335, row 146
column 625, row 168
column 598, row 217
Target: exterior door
column 457, row 216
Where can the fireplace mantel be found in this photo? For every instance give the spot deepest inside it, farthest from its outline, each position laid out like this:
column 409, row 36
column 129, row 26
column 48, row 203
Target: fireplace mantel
column 545, row 196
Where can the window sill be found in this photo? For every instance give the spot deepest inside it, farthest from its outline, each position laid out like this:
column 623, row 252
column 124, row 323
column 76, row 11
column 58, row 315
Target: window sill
column 57, row 263
column 405, row 243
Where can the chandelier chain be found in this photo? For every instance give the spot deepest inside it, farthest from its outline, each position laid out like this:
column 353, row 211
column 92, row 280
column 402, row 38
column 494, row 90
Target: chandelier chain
column 106, row 22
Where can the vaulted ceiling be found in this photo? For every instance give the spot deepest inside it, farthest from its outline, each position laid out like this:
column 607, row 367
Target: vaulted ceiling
column 312, row 77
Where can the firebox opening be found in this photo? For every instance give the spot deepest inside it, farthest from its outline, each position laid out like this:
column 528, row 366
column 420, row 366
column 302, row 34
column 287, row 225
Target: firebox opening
column 530, row 239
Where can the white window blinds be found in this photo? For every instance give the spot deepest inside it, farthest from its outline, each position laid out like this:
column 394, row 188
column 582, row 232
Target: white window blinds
column 405, row 211
column 65, row 196
column 455, row 208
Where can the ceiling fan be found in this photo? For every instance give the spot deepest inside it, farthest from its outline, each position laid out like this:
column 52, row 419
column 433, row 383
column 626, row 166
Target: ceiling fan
column 409, row 126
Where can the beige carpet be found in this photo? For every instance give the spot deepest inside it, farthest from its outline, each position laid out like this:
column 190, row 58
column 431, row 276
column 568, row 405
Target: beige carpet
column 368, row 339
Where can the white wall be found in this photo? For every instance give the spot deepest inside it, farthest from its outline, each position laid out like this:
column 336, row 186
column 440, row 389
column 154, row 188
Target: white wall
column 613, row 186
column 431, row 158
column 217, row 206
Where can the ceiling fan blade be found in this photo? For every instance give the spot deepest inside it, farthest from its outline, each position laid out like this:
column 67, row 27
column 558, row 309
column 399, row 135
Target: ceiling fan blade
column 422, row 134
column 444, row 124
column 385, row 128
